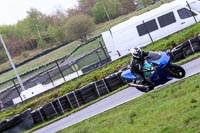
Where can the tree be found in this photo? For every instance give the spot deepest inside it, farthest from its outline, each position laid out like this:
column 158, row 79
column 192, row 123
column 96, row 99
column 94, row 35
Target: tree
column 56, row 19
column 25, row 33
column 34, row 16
column 38, row 23
column 56, row 34
column 126, row 6
column 3, row 56
column 104, row 10
column 14, row 44
column 79, row 26
column 55, row 29
column 73, row 12
column 145, row 2
column 86, row 6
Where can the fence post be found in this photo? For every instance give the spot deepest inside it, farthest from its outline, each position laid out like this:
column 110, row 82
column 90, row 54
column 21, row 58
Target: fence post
column 191, row 12
column 148, row 31
column 107, row 57
column 17, row 89
column 74, row 68
column 96, row 51
column 60, row 70
column 50, row 78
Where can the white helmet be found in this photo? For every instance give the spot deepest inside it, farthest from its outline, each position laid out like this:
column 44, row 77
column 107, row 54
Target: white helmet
column 136, row 52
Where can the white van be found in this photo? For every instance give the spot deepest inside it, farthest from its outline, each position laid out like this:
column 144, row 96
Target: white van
column 141, row 30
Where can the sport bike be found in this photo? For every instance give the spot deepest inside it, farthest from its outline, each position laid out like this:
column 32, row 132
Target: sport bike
column 158, row 69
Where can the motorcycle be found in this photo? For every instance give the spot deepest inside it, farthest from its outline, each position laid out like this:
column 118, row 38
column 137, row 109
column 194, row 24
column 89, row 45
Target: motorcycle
column 158, row 69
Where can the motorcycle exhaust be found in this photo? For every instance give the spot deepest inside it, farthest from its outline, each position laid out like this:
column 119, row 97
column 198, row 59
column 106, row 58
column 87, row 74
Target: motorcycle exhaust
column 137, row 85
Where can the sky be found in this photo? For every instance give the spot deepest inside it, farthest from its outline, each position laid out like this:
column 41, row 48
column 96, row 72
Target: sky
column 11, row 11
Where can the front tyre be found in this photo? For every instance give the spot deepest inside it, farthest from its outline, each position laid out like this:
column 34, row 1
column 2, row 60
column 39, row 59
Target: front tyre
column 175, row 71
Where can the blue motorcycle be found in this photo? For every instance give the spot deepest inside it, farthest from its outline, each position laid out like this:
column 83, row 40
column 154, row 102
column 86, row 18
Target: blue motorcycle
column 158, row 69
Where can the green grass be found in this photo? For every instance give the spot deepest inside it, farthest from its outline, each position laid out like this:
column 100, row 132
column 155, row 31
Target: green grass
column 172, row 109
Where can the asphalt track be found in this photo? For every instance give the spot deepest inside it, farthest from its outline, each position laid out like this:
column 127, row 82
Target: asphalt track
column 110, row 102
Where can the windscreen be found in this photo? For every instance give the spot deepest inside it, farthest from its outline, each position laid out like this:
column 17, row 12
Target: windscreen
column 153, row 55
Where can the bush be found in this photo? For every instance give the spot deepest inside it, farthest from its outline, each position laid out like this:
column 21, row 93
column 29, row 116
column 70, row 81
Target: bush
column 42, row 43
column 25, row 54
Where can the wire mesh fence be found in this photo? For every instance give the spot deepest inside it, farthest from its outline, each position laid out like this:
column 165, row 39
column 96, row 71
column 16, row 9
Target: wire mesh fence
column 84, row 58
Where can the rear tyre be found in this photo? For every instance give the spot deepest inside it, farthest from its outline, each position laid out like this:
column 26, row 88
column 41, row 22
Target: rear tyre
column 175, row 71
column 144, row 89
column 196, row 46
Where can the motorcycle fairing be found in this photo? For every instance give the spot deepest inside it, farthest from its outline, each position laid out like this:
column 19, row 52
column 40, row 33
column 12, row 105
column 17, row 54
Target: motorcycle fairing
column 159, row 76
column 159, row 59
column 128, row 75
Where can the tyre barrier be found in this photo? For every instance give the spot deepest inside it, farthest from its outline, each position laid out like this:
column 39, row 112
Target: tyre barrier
column 121, row 79
column 102, row 88
column 195, row 44
column 114, row 81
column 61, row 105
column 177, row 53
column 64, row 103
column 18, row 123
column 79, row 97
column 186, row 48
column 191, row 46
column 89, row 92
column 75, row 99
column 49, row 110
column 38, row 116
column 198, row 37
column 58, row 106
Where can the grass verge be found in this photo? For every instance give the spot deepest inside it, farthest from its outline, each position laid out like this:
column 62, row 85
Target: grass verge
column 174, row 108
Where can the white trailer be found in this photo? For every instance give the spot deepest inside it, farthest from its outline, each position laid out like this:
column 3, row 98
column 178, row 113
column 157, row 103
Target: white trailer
column 151, row 26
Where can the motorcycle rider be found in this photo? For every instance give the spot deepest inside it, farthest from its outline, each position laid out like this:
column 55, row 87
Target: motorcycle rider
column 137, row 63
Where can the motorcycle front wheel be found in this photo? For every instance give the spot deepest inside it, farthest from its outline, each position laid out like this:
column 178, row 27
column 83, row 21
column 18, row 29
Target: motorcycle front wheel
column 175, row 71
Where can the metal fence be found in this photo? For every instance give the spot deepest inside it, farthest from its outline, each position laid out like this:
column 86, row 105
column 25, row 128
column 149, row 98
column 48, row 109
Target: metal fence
column 84, row 58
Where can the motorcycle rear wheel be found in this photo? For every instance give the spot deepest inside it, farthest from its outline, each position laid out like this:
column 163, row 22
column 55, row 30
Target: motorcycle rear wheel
column 144, row 89
column 175, row 71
